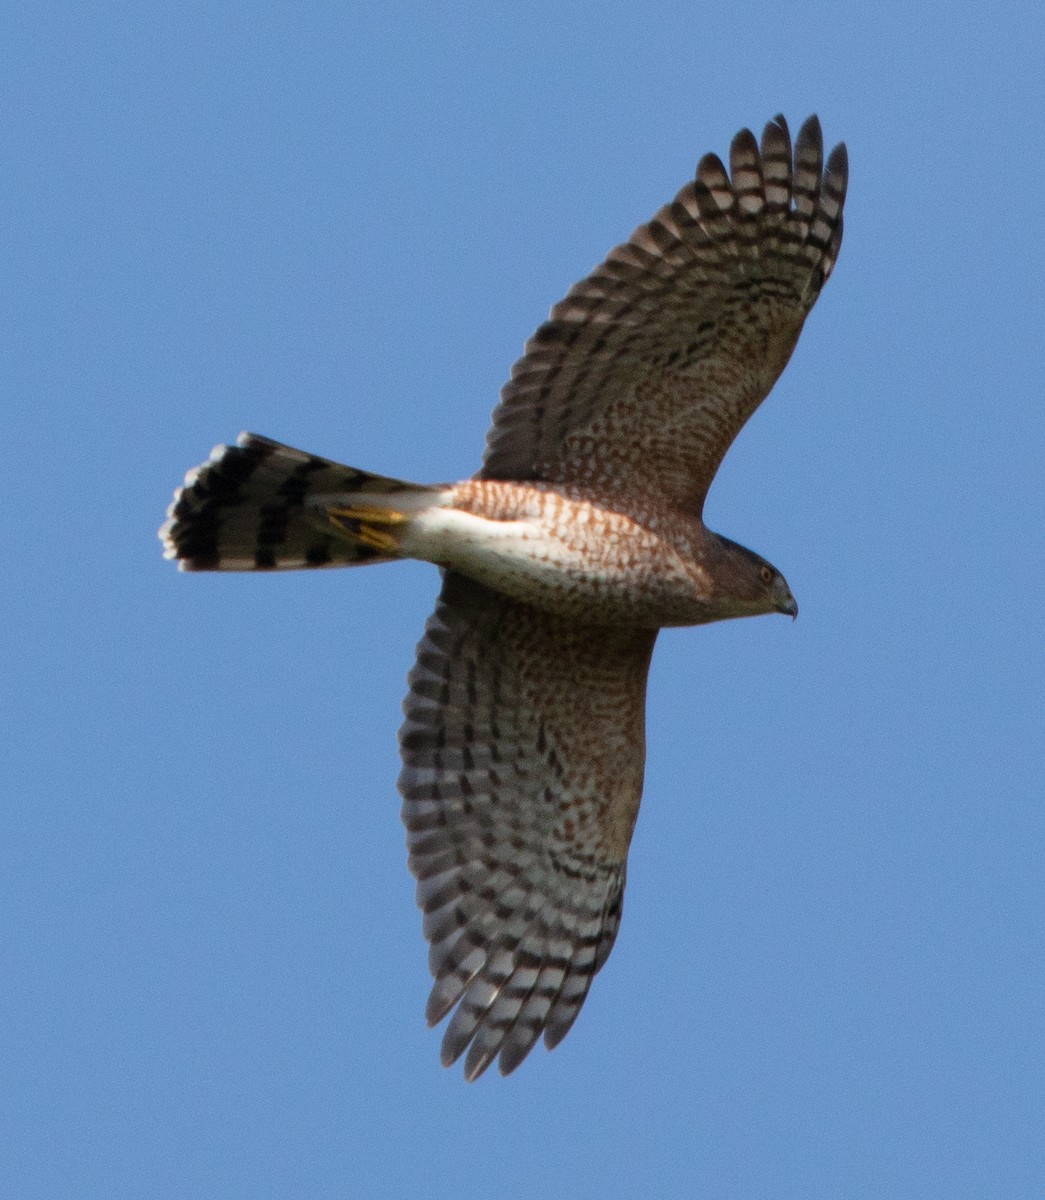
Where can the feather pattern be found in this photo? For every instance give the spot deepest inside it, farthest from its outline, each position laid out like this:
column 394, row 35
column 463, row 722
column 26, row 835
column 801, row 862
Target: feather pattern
column 523, row 742
column 523, row 753
column 648, row 369
column 262, row 506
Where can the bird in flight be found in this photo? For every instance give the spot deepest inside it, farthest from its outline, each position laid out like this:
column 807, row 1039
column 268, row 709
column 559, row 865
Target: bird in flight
column 523, row 743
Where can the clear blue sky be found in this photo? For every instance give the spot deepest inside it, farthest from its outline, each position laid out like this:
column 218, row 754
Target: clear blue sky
column 335, row 224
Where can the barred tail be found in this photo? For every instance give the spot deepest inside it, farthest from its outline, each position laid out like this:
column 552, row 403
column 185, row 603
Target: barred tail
column 260, row 505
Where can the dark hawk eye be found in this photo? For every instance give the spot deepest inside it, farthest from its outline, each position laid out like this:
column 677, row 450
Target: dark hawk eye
column 767, row 574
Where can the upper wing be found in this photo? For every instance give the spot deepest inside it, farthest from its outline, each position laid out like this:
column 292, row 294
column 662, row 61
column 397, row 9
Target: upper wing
column 646, row 372
column 523, row 751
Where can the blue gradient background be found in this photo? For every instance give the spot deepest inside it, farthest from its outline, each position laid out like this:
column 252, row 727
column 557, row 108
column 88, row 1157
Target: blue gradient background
column 336, row 224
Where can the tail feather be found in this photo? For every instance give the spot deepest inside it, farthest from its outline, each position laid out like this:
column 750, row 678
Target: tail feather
column 260, row 505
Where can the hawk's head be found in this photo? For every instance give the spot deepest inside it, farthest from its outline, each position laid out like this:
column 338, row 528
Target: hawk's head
column 747, row 586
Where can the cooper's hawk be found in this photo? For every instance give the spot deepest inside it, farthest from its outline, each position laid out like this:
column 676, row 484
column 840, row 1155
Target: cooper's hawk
column 523, row 744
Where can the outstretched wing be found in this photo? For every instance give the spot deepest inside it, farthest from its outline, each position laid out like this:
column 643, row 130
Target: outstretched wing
column 647, row 370
column 523, row 751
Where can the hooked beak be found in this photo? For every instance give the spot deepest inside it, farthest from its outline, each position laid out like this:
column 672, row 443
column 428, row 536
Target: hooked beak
column 789, row 607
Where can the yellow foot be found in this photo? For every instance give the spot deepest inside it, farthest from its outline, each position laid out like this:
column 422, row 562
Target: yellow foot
column 369, row 526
